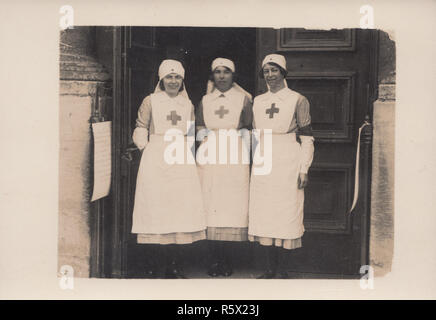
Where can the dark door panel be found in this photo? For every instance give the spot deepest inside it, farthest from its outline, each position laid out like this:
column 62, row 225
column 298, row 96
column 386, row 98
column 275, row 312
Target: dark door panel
column 332, row 69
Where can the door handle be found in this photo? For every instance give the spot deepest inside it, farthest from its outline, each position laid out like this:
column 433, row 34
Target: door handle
column 126, row 159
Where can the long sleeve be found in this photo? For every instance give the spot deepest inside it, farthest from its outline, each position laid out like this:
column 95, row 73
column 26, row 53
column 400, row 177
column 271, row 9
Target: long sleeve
column 140, row 134
column 246, row 119
column 305, row 133
column 191, row 129
column 199, row 119
column 200, row 126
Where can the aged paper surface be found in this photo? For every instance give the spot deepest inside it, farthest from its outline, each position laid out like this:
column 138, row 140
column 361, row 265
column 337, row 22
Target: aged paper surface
column 30, row 135
column 102, row 159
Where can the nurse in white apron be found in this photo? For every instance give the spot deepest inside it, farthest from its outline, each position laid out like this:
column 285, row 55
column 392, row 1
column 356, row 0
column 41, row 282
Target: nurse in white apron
column 168, row 209
column 225, row 183
column 277, row 197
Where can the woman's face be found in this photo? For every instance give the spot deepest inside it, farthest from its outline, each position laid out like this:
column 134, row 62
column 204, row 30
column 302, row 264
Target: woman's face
column 172, row 83
column 223, row 78
column 272, row 75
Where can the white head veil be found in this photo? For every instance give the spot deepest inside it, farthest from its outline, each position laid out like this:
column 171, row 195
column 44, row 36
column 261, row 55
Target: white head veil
column 223, row 62
column 277, row 59
column 171, row 66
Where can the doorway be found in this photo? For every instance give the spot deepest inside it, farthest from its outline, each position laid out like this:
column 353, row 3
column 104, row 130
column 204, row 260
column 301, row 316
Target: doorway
column 334, row 69
column 196, row 48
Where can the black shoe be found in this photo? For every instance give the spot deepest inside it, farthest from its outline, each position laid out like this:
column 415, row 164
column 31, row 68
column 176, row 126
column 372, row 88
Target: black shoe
column 214, row 270
column 174, row 272
column 226, row 270
column 150, row 274
column 268, row 274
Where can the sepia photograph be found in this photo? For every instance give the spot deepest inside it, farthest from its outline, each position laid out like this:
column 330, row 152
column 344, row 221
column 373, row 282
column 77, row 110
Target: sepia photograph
column 324, row 208
column 191, row 150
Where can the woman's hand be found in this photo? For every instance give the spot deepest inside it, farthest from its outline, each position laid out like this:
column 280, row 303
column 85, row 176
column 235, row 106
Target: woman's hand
column 302, row 180
column 140, row 137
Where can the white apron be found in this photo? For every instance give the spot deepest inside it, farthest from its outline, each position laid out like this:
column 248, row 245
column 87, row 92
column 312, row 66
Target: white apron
column 225, row 186
column 276, row 203
column 168, row 196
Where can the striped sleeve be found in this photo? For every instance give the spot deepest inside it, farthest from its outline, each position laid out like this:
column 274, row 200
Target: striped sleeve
column 144, row 114
column 305, row 133
column 246, row 119
column 140, row 134
column 199, row 119
column 304, row 121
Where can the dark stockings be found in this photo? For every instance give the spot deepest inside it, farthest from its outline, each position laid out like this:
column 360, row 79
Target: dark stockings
column 149, row 259
column 268, row 258
column 219, row 251
column 273, row 260
column 172, row 261
column 220, row 257
column 170, row 254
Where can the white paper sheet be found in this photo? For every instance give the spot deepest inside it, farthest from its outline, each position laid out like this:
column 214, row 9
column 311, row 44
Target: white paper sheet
column 102, row 159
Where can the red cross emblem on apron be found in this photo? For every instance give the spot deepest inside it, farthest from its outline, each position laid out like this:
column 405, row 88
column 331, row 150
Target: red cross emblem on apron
column 272, row 110
column 221, row 112
column 173, row 117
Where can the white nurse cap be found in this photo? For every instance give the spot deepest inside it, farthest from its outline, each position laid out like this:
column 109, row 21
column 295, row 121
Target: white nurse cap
column 275, row 58
column 171, row 66
column 223, row 62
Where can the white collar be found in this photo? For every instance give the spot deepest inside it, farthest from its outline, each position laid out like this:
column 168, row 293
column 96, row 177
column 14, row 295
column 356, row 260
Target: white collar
column 282, row 94
column 217, row 93
column 179, row 99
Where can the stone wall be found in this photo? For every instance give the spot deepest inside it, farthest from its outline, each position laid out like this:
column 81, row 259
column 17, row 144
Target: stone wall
column 382, row 189
column 80, row 74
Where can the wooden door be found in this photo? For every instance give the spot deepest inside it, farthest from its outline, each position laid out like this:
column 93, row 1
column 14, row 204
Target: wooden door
column 135, row 72
column 335, row 70
column 137, row 54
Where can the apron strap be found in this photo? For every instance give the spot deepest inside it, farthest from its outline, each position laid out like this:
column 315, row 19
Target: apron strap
column 356, row 173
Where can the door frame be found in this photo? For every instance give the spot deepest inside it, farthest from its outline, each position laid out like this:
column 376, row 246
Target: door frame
column 366, row 146
column 109, row 240
column 117, row 259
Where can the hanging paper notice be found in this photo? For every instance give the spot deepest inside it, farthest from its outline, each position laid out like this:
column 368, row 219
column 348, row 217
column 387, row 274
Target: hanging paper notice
column 102, row 159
